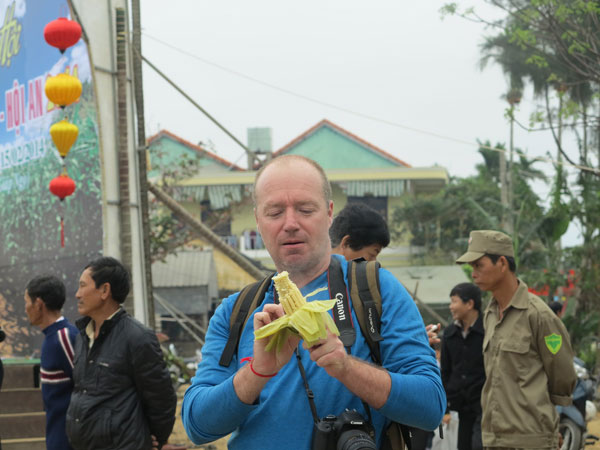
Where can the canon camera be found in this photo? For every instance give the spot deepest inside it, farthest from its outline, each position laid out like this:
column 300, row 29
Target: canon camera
column 349, row 431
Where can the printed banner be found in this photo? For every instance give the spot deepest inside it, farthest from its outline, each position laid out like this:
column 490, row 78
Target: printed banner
column 30, row 241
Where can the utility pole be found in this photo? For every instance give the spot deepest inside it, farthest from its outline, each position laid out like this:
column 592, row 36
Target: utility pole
column 513, row 97
column 562, row 88
column 142, row 154
column 124, row 193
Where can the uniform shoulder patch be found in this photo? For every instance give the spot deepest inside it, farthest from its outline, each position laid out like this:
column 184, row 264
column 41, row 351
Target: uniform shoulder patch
column 553, row 342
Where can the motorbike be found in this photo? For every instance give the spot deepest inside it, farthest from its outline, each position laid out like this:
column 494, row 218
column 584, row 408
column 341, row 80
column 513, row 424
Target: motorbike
column 574, row 418
column 181, row 369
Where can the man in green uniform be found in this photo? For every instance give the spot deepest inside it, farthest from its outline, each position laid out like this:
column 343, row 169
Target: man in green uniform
column 527, row 352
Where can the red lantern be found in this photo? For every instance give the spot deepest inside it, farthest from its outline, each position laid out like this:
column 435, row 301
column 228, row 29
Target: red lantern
column 62, row 33
column 62, row 186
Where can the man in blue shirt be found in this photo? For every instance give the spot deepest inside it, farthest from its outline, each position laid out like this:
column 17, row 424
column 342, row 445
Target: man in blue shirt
column 264, row 403
column 44, row 298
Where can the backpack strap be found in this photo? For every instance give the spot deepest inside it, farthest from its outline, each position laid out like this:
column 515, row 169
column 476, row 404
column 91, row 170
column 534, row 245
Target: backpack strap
column 363, row 283
column 363, row 280
column 365, row 291
column 247, row 301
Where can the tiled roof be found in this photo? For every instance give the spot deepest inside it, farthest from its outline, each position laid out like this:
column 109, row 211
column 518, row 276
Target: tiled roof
column 184, row 269
column 346, row 133
column 203, row 152
column 432, row 283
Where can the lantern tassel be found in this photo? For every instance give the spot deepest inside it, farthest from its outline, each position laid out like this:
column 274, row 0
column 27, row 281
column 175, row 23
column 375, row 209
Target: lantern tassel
column 62, row 232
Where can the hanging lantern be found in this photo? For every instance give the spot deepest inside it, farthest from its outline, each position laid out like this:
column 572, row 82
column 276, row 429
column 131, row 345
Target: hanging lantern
column 62, row 186
column 63, row 89
column 62, row 33
column 64, row 134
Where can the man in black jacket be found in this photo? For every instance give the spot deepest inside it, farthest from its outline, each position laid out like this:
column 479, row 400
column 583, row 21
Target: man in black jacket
column 463, row 372
column 123, row 397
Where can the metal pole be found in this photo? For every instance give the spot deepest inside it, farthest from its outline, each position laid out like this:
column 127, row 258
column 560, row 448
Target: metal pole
column 124, row 194
column 142, row 154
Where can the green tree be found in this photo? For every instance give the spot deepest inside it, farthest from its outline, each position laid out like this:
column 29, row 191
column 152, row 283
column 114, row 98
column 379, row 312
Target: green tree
column 167, row 233
column 441, row 223
column 554, row 46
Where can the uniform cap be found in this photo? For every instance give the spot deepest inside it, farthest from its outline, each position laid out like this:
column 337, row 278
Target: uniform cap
column 489, row 242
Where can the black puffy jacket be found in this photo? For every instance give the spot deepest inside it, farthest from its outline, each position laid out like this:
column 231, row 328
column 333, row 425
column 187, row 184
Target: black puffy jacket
column 123, row 391
column 463, row 373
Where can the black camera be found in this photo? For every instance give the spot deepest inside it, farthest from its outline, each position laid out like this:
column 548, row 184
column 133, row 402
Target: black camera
column 349, row 431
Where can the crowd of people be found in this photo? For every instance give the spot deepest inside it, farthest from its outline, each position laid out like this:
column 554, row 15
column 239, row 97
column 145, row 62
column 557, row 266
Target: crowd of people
column 502, row 370
column 105, row 384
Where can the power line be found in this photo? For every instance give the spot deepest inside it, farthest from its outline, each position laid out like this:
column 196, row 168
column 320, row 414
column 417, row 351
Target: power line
column 355, row 113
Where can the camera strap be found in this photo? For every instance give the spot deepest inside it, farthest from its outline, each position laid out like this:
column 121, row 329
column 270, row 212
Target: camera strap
column 309, row 393
column 342, row 315
column 311, row 396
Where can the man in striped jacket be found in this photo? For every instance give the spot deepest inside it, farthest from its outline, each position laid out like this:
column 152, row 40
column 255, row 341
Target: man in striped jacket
column 44, row 299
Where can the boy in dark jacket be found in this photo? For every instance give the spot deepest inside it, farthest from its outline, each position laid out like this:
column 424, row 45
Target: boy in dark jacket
column 123, row 396
column 463, row 373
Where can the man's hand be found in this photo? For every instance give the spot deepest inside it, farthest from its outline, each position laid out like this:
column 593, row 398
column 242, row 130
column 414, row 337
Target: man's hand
column 432, row 333
column 270, row 362
column 369, row 382
column 330, row 354
column 561, row 440
column 446, row 419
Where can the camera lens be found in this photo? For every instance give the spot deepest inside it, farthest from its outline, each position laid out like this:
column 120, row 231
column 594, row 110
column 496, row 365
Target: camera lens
column 355, row 440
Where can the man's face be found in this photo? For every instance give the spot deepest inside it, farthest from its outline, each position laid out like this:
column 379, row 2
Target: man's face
column 486, row 274
column 459, row 309
column 33, row 308
column 89, row 298
column 293, row 217
column 368, row 252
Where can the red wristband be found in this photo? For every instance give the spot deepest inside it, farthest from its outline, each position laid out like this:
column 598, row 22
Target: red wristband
column 251, row 359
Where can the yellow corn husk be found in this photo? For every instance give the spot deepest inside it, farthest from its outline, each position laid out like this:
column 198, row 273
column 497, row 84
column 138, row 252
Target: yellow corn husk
column 310, row 320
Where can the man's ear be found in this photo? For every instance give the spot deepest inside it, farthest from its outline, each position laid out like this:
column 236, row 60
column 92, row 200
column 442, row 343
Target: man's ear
column 504, row 262
column 345, row 242
column 39, row 303
column 471, row 302
column 105, row 291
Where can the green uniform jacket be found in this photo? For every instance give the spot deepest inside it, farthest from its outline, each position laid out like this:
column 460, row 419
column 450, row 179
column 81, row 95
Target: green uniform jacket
column 529, row 368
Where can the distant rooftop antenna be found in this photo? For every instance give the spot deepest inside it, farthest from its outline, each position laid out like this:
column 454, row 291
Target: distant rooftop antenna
column 260, row 143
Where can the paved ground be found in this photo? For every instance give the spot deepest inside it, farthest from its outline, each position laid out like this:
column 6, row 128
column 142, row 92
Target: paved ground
column 179, row 436
column 594, row 428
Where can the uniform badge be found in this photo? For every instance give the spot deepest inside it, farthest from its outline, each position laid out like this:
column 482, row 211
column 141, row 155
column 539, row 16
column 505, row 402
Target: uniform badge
column 553, row 342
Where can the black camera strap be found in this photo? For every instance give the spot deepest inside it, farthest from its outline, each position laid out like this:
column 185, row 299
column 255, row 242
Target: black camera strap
column 342, row 314
column 309, row 393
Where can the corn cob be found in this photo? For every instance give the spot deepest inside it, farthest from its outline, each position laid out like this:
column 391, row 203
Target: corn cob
column 290, row 296
column 308, row 319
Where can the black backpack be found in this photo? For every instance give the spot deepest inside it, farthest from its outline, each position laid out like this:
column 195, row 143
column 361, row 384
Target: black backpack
column 363, row 284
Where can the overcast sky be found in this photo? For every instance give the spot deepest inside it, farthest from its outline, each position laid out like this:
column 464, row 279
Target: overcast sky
column 393, row 73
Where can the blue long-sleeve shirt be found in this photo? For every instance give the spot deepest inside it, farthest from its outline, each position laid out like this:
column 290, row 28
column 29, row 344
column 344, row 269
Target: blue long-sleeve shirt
column 281, row 417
